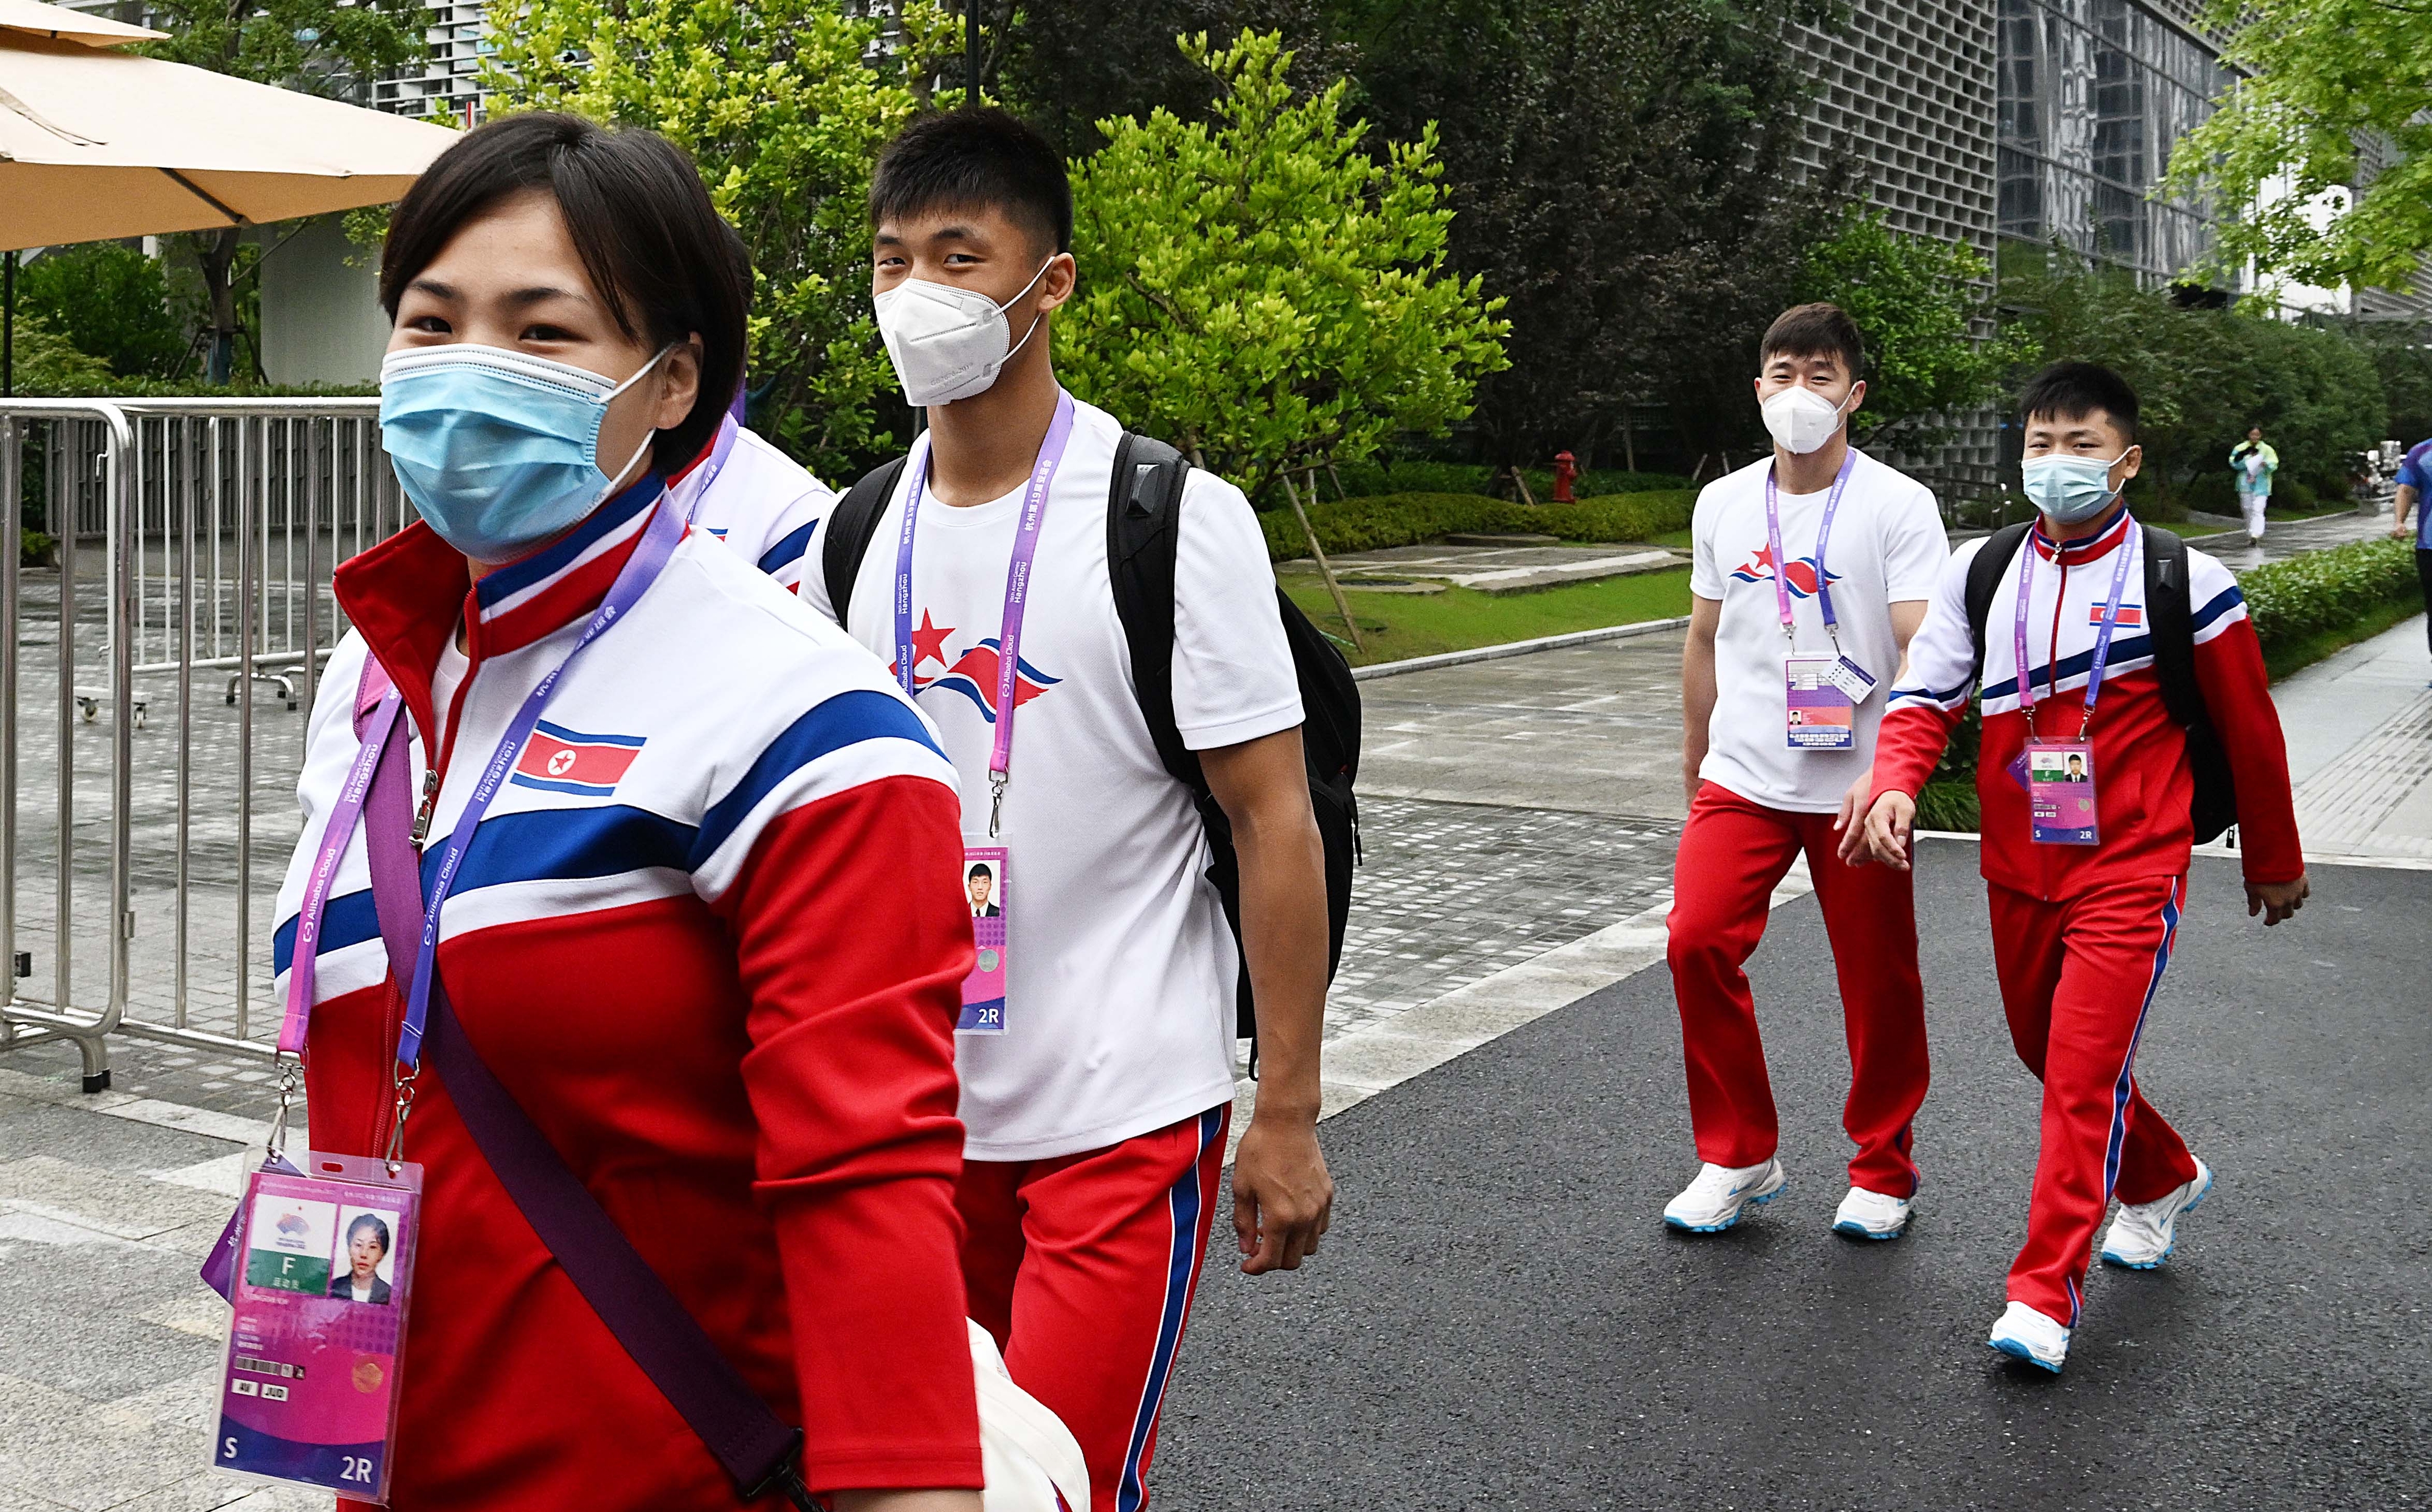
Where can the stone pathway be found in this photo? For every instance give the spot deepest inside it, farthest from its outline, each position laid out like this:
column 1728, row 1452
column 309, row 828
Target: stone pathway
column 1494, row 569
column 2359, row 728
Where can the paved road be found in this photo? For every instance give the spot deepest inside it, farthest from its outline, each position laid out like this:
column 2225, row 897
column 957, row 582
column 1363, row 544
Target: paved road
column 1500, row 1319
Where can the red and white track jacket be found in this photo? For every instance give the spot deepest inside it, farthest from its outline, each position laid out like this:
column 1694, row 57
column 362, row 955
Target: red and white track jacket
column 2140, row 759
column 711, row 936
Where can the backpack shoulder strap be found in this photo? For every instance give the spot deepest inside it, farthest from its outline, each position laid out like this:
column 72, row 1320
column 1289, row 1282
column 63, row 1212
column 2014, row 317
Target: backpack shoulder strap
column 850, row 526
column 1143, row 543
column 2169, row 620
column 1984, row 577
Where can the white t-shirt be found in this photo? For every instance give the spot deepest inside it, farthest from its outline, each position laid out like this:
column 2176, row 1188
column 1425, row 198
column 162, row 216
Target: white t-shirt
column 1887, row 546
column 762, row 503
column 1120, row 968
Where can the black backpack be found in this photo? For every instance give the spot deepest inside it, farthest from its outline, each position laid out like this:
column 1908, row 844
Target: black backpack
column 1144, row 516
column 2169, row 620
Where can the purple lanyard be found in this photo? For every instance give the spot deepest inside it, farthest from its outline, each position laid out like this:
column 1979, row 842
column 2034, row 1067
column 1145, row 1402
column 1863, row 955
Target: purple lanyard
column 1823, row 534
column 1017, row 593
column 2102, row 636
column 304, row 964
column 728, row 427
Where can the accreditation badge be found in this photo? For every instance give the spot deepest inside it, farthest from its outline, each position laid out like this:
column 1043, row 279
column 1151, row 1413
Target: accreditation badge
column 322, row 1282
column 2060, row 792
column 984, row 888
column 1821, row 712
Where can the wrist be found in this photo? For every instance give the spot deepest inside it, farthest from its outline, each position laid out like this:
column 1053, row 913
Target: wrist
column 1292, row 1108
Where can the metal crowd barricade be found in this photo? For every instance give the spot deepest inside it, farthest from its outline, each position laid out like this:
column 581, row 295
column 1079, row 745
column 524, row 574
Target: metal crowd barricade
column 215, row 526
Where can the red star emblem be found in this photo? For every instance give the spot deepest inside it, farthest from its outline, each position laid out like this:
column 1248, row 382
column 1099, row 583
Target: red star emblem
column 929, row 642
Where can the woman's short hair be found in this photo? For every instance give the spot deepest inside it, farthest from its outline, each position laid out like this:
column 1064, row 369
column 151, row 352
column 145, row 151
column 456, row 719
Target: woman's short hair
column 373, row 1222
column 633, row 204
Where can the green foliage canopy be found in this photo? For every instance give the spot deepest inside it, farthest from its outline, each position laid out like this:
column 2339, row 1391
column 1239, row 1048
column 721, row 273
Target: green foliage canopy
column 2325, row 73
column 48, row 365
column 1259, row 290
column 2203, row 376
column 110, row 300
column 1917, row 301
column 785, row 106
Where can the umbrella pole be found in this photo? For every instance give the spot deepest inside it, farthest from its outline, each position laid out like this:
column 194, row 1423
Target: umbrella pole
column 8, row 325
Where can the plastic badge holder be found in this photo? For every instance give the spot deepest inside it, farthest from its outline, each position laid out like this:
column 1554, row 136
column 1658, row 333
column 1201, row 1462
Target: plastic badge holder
column 323, row 1288
column 984, row 989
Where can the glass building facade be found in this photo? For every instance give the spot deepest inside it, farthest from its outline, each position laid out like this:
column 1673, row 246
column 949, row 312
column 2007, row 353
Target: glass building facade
column 2094, row 95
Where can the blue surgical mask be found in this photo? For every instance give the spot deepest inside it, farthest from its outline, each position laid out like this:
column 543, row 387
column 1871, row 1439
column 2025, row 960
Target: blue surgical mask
column 2070, row 490
column 498, row 449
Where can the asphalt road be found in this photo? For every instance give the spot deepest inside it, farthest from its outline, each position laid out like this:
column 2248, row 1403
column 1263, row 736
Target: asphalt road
column 1500, row 1321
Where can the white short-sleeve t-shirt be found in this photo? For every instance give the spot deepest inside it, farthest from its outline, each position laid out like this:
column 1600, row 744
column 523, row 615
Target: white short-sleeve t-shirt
column 761, row 502
column 1887, row 546
column 1120, row 967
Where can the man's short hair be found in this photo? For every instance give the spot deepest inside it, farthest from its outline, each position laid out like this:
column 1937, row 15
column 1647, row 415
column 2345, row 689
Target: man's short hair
column 975, row 159
column 979, row 869
column 1814, row 331
column 2072, row 390
column 657, row 252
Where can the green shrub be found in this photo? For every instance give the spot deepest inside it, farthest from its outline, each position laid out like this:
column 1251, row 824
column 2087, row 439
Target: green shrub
column 2327, row 590
column 1420, row 476
column 1405, row 519
column 35, row 549
column 2208, row 494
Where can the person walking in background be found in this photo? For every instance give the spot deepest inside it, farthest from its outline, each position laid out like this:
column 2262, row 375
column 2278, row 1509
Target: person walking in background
column 2086, row 886
column 2253, row 461
column 2414, row 485
column 1810, row 570
column 711, row 948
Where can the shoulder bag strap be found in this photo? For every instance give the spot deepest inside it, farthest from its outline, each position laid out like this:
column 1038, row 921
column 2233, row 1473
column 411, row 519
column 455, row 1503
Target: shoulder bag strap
column 850, row 526
column 1144, row 545
column 755, row 1447
column 1983, row 578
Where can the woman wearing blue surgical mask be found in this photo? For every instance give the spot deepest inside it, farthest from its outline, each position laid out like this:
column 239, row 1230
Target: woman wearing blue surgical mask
column 689, row 901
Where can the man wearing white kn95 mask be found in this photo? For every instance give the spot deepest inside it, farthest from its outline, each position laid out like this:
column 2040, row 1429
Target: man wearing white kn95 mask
column 1095, row 1047
column 1811, row 569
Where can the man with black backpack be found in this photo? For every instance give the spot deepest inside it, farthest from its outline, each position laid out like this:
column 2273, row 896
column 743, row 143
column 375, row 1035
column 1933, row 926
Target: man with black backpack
column 2143, row 722
column 1124, row 776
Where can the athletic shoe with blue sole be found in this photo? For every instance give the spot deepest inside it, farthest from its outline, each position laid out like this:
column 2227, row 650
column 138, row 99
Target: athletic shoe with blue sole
column 1721, row 1194
column 2024, row 1333
column 2143, row 1236
column 1866, row 1215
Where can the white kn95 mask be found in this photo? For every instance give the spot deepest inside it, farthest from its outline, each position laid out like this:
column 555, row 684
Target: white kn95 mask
column 947, row 343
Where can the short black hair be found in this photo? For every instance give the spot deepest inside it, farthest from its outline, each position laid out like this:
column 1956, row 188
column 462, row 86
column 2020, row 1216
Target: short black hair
column 371, row 1221
column 974, row 159
column 2072, row 390
column 1814, row 331
column 634, row 203
column 979, row 869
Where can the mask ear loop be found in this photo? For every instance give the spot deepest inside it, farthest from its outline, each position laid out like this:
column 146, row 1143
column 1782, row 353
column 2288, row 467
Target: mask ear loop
column 648, row 436
column 1009, row 304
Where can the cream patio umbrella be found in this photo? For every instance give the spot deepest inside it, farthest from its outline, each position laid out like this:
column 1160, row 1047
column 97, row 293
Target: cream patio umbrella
column 99, row 143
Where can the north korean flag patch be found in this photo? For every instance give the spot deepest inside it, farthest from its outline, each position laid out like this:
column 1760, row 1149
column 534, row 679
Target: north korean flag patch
column 558, row 760
column 2132, row 617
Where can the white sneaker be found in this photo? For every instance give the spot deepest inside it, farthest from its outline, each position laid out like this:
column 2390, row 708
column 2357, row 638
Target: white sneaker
column 2143, row 1236
column 1715, row 1201
column 1866, row 1215
column 2024, row 1333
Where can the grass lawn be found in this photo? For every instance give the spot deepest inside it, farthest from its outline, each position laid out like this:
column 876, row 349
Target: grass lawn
column 1397, row 626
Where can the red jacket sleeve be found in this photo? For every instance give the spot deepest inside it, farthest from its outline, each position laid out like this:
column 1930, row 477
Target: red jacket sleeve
column 853, row 955
column 1908, row 747
column 2238, row 693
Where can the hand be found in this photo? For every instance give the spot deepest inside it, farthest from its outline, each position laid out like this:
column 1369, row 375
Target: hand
column 1886, row 831
column 2278, row 900
column 2401, row 530
column 1847, row 823
column 1283, row 1195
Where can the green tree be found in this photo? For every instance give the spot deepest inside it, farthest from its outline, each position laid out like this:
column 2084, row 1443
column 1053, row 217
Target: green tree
column 110, row 301
column 785, row 106
column 1623, row 174
column 49, row 365
column 2203, row 376
column 2402, row 351
column 2327, row 77
column 323, row 47
column 1260, row 291
column 1920, row 303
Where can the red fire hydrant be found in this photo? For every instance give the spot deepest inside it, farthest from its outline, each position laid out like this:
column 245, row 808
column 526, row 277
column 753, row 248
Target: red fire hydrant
column 1566, row 468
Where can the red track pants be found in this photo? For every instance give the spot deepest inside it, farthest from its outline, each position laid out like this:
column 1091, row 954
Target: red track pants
column 2077, row 979
column 1083, row 1267
column 1732, row 854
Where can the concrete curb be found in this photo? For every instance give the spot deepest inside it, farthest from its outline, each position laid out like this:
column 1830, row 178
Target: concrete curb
column 1496, row 653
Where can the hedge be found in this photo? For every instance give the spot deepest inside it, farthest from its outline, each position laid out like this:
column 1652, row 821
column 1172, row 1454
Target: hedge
column 1418, row 476
column 1406, row 519
column 2317, row 593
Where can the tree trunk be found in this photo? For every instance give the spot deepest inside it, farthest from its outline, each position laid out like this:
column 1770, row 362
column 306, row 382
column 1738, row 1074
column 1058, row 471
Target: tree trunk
column 216, row 257
column 1324, row 569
